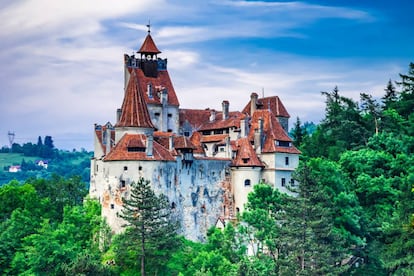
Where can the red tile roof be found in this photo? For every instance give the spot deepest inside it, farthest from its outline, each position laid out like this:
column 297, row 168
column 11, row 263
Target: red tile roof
column 199, row 119
column 195, row 117
column 272, row 130
column 219, row 123
column 134, row 109
column 160, row 82
column 120, row 151
column 148, row 46
column 246, row 156
column 196, row 141
column 213, row 138
column 273, row 103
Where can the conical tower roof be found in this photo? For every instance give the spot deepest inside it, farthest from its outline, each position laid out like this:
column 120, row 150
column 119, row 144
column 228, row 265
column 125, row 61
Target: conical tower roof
column 148, row 47
column 134, row 109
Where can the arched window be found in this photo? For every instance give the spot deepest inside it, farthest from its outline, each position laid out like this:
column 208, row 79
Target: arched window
column 247, row 182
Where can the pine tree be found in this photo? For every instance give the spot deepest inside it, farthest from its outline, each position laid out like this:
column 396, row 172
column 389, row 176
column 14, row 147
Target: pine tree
column 390, row 97
column 312, row 246
column 406, row 100
column 149, row 228
column 298, row 133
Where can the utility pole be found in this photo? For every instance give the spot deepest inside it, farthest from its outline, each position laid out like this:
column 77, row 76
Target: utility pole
column 11, row 139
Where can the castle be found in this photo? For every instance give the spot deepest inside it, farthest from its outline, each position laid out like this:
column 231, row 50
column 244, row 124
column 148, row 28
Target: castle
column 205, row 161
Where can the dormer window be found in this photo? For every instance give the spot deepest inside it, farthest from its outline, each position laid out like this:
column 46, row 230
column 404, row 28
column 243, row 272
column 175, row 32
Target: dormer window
column 286, row 144
column 136, row 149
column 245, row 160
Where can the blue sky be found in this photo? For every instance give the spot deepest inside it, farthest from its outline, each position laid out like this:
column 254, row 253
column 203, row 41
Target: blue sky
column 61, row 62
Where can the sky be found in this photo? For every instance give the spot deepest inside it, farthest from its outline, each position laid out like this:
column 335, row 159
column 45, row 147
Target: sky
column 61, row 62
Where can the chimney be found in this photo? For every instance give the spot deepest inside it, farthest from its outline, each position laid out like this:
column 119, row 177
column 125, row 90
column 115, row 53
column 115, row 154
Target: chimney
column 107, row 140
column 212, row 115
column 225, row 106
column 258, row 136
column 253, row 103
column 243, row 128
column 118, row 114
column 164, row 96
column 170, row 142
column 150, row 145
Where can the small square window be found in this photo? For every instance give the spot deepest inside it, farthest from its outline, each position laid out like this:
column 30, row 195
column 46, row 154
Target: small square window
column 125, row 168
column 140, row 168
column 112, row 206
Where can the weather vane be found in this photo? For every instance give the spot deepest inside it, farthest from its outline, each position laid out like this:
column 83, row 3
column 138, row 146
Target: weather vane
column 149, row 26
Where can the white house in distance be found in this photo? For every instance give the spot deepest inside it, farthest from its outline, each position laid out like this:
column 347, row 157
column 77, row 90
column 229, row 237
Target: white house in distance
column 205, row 161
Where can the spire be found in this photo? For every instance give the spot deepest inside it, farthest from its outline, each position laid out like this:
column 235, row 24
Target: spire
column 134, row 109
column 148, row 47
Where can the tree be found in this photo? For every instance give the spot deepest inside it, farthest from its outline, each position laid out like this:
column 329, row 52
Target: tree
column 298, row 133
column 371, row 109
column 150, row 231
column 390, row 97
column 405, row 105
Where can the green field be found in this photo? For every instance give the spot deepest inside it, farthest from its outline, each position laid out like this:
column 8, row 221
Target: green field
column 8, row 159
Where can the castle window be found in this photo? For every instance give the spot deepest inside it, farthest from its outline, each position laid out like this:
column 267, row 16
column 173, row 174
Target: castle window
column 123, row 183
column 247, row 182
column 245, row 160
column 136, row 149
column 173, row 205
column 112, row 206
column 287, row 161
column 283, row 182
column 149, row 90
column 125, row 168
column 285, row 144
column 157, row 114
column 186, row 133
column 169, row 130
column 169, row 115
column 140, row 168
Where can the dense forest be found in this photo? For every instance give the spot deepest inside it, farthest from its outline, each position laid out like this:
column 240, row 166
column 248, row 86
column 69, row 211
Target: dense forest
column 353, row 213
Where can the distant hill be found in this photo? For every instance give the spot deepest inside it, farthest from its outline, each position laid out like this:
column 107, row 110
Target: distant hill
column 63, row 163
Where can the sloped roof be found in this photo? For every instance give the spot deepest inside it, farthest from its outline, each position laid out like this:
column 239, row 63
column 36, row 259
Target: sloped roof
column 272, row 131
column 246, row 155
column 148, row 46
column 134, row 111
column 179, row 142
column 160, row 82
column 196, row 141
column 195, row 117
column 272, row 103
column 213, row 138
column 219, row 123
column 120, row 151
column 199, row 119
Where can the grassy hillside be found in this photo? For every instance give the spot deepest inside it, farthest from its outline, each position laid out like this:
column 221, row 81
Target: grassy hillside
column 9, row 159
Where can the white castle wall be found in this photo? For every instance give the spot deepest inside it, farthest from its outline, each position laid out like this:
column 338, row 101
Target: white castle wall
column 195, row 190
column 240, row 191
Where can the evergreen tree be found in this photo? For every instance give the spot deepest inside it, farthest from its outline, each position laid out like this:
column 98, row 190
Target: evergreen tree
column 298, row 133
column 371, row 110
column 150, row 231
column 390, row 97
column 313, row 245
column 406, row 100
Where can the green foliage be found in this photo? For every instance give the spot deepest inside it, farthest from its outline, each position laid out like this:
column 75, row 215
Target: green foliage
column 150, row 236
